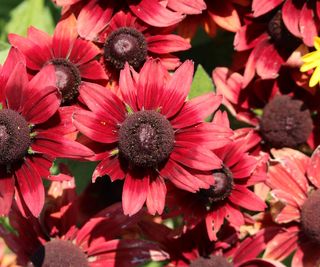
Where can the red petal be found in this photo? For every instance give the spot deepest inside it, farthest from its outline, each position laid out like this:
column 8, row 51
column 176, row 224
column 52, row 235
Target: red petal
column 291, row 15
column 210, row 135
column 110, row 166
column 307, row 23
column 177, row 89
column 282, row 245
column 102, row 101
column 153, row 13
column 163, row 44
column 150, row 85
column 92, row 71
column 187, row 6
column 31, row 187
column 249, row 36
column 181, row 178
column 243, row 197
column 15, row 86
column 196, row 157
column 244, row 167
column 225, row 15
column 128, row 88
column 6, row 192
column 43, row 40
column 65, row 34
column 93, row 18
column 35, row 60
column 214, row 221
column 197, row 110
column 268, row 61
column 135, row 190
column 261, row 7
column 83, row 51
column 96, row 127
column 56, row 145
column 156, row 196
column 314, row 166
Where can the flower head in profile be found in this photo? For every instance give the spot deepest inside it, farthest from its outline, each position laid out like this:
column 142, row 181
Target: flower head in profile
column 152, row 134
column 73, row 59
column 312, row 61
column 31, row 132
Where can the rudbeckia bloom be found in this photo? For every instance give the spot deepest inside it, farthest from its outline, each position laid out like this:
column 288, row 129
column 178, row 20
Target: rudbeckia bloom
column 31, row 133
column 94, row 15
column 73, row 58
column 153, row 134
column 56, row 241
column 226, row 195
column 126, row 39
column 312, row 61
column 299, row 16
column 295, row 186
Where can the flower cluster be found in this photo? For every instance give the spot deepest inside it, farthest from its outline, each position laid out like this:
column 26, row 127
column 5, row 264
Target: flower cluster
column 229, row 177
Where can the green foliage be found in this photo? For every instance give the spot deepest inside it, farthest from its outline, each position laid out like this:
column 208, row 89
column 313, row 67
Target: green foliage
column 4, row 49
column 201, row 84
column 27, row 13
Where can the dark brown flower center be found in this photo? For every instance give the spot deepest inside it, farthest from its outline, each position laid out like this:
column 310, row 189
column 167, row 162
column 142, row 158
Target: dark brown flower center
column 146, row 139
column 59, row 253
column 213, row 261
column 310, row 215
column 68, row 79
column 280, row 34
column 222, row 187
column 14, row 136
column 125, row 45
column 285, row 123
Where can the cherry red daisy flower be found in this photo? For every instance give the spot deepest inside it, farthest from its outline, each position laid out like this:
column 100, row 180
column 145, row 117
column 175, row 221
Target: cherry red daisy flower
column 295, row 186
column 72, row 57
column 57, row 241
column 126, row 39
column 94, row 15
column 29, row 138
column 300, row 17
column 280, row 120
column 227, row 194
column 153, row 134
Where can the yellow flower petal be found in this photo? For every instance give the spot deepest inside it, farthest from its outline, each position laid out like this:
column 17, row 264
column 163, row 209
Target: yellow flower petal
column 315, row 78
column 310, row 65
column 311, row 56
column 317, row 43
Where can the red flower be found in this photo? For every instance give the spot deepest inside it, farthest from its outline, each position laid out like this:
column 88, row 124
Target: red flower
column 57, row 241
column 31, row 132
column 227, row 194
column 94, row 15
column 152, row 134
column 295, row 182
column 280, row 120
column 299, row 16
column 268, row 44
column 126, row 39
column 73, row 58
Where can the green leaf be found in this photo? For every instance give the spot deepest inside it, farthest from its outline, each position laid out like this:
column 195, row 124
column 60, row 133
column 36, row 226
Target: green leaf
column 4, row 50
column 29, row 12
column 201, row 84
